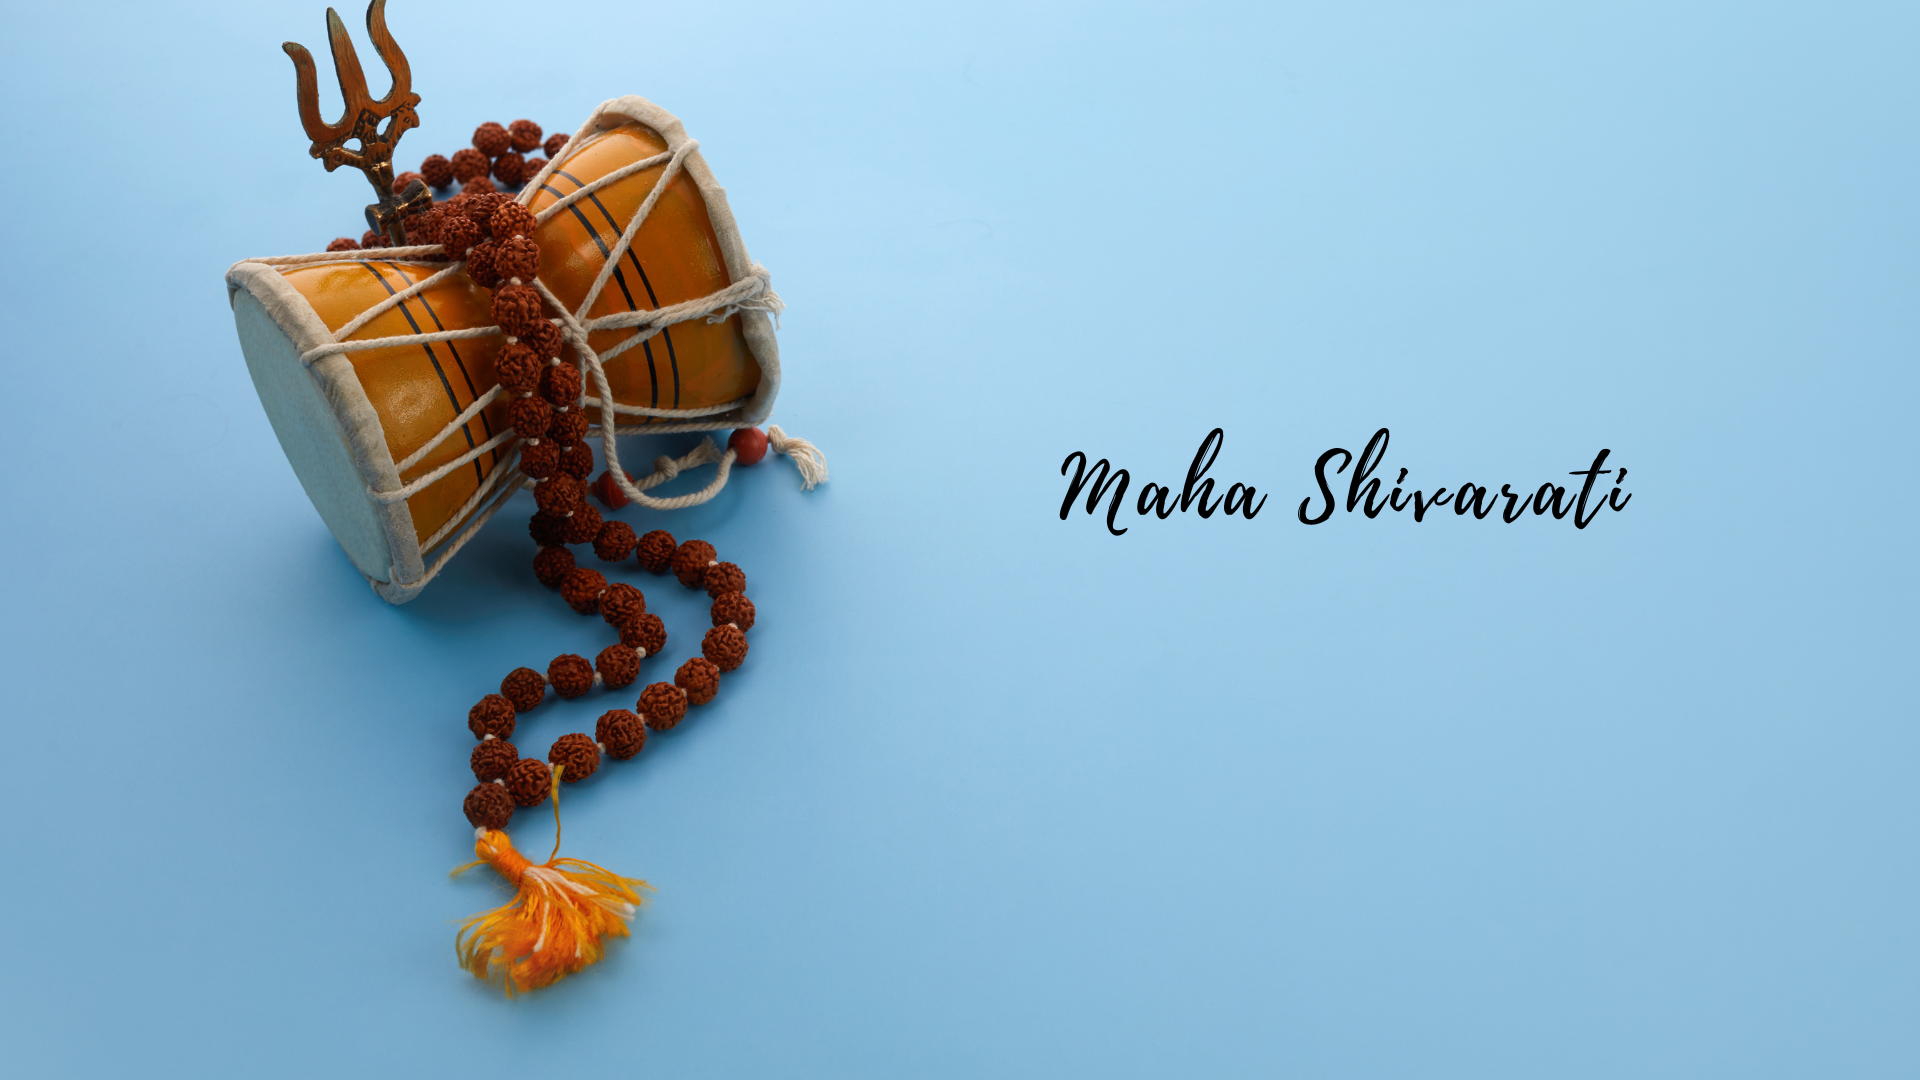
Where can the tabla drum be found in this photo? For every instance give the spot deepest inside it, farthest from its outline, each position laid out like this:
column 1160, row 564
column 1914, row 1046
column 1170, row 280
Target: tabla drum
column 376, row 366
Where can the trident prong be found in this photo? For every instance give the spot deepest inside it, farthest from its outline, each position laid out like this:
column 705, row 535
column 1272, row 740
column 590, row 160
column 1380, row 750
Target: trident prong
column 361, row 120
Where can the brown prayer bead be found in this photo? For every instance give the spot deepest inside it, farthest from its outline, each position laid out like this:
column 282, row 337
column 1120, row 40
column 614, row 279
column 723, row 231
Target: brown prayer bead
column 547, row 530
column 614, row 541
column 494, row 715
column 577, row 461
column 559, row 495
column 621, row 733
column 488, row 806
column 479, row 206
column 524, row 687
column 662, row 705
column 578, row 754
column 529, row 781
column 732, row 608
column 621, row 602
column 645, row 632
column 437, row 171
column 725, row 578
column 523, row 135
column 699, row 678
column 570, row 675
column 512, row 219
column 581, row 589
column 516, row 257
column 531, row 418
column 457, row 235
column 585, row 523
column 618, row 666
column 656, row 551
column 570, row 427
column 467, row 163
column 518, row 367
column 477, row 186
column 543, row 339
column 726, row 646
column 552, row 566
column 540, row 460
column 516, row 308
column 690, row 562
column 344, row 243
column 492, row 139
column 560, row 384
column 492, row 758
column 507, row 169
column 480, row 265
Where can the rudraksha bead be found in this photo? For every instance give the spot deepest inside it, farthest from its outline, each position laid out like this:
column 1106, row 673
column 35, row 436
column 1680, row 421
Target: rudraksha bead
column 644, row 632
column 467, row 163
column 530, row 417
column 478, row 207
column 570, row 674
column 518, row 368
column 423, row 228
column 494, row 716
column 492, row 139
column 544, row 340
column 690, row 562
column 516, row 308
column 479, row 185
column 547, row 530
column 726, row 646
column 621, row 733
column 511, row 219
column 749, row 445
column 552, row 566
column 656, row 551
column 582, row 588
column 525, row 688
column 400, row 182
column 618, row 666
column 699, row 678
column 577, row 461
column 516, row 257
column 725, row 578
column 437, row 171
column 662, row 705
column 371, row 239
column 554, row 142
column 577, row 753
column 585, row 523
column 488, row 806
column 523, row 135
column 621, row 602
column 532, row 169
column 733, row 608
column 344, row 243
column 558, row 495
column 540, row 459
column 570, row 427
column 480, row 265
column 560, row 384
column 529, row 781
column 491, row 758
column 457, row 235
column 507, row 169
column 614, row 541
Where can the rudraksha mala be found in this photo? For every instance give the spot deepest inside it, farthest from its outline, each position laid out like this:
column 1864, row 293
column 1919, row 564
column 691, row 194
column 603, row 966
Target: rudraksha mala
column 507, row 780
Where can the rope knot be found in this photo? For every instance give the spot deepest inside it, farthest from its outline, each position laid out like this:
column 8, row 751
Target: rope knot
column 666, row 466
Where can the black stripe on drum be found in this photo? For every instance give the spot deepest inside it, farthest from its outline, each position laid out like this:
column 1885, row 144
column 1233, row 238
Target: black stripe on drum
column 653, row 373
column 485, row 424
column 434, row 359
column 666, row 332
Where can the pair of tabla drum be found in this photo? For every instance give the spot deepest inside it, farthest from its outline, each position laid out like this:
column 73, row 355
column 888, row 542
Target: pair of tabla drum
column 354, row 420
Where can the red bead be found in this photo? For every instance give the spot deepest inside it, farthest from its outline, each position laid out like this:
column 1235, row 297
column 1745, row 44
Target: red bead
column 608, row 492
column 749, row 445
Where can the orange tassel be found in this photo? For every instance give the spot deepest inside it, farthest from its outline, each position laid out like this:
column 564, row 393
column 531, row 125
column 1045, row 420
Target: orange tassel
column 554, row 927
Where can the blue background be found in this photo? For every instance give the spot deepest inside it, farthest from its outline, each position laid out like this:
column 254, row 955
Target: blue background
column 998, row 794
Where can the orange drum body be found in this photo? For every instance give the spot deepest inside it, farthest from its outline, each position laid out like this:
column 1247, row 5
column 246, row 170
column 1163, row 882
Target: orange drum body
column 350, row 419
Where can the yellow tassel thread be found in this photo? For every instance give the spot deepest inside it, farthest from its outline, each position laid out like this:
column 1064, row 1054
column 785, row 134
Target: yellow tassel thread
column 554, row 927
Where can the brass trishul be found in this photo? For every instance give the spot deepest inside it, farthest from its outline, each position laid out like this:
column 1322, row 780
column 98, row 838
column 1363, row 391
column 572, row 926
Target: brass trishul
column 362, row 118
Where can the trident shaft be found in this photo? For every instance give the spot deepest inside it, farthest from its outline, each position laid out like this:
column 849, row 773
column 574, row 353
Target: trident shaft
column 363, row 116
